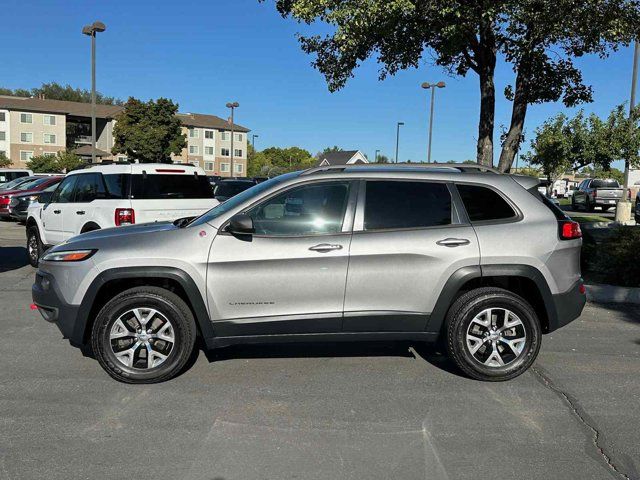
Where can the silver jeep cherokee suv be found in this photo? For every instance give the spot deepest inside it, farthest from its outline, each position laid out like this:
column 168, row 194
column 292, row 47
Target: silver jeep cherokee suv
column 458, row 253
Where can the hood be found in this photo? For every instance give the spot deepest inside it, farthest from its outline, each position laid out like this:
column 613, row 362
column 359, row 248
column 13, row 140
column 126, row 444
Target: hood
column 129, row 230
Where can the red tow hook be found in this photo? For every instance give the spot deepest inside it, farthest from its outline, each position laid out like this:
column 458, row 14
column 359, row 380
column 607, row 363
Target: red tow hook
column 33, row 306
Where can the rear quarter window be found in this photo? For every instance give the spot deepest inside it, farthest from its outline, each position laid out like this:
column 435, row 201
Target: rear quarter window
column 597, row 183
column 156, row 187
column 484, row 204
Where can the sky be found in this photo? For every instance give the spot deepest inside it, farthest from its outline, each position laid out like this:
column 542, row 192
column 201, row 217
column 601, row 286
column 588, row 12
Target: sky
column 203, row 54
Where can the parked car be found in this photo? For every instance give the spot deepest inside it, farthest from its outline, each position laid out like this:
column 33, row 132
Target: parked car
column 14, row 184
column 33, row 185
column 596, row 192
column 225, row 189
column 9, row 174
column 637, row 209
column 112, row 195
column 20, row 203
column 479, row 260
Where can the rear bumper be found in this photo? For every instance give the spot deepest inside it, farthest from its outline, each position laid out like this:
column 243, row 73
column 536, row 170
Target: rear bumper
column 606, row 201
column 567, row 306
column 54, row 309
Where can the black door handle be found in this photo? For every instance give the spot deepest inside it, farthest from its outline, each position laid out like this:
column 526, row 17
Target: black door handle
column 80, row 212
column 57, row 211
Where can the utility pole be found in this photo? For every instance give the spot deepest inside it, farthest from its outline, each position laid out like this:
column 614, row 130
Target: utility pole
column 91, row 31
column 432, row 86
column 232, row 106
column 623, row 208
column 398, row 138
column 375, row 160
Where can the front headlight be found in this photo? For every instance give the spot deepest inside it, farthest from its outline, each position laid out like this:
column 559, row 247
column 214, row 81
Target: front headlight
column 68, row 256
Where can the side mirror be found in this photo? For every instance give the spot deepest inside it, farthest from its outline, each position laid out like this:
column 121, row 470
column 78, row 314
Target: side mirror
column 241, row 224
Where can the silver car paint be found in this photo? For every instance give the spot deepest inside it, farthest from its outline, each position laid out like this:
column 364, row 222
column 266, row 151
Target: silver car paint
column 401, row 269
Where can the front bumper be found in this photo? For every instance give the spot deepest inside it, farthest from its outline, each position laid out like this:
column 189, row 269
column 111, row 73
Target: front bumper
column 567, row 306
column 54, row 309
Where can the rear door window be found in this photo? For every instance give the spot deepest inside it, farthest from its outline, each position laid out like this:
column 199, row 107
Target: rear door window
column 156, row 187
column 403, row 204
column 484, row 204
column 117, row 185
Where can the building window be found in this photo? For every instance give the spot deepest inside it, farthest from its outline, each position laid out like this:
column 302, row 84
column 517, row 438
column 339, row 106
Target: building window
column 224, row 167
column 2, row 117
column 193, row 150
column 3, row 152
column 26, row 137
column 26, row 118
column 209, row 151
column 49, row 138
column 238, row 167
column 49, row 120
column 208, row 166
column 224, row 152
column 25, row 155
column 224, row 135
column 49, row 154
column 237, row 152
column 239, row 137
column 208, row 134
column 3, row 136
column 193, row 133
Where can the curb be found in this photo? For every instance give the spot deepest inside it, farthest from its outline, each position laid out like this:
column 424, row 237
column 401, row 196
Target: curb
column 601, row 293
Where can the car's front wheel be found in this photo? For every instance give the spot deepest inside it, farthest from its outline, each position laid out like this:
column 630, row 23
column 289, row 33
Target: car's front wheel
column 492, row 334
column 34, row 246
column 144, row 335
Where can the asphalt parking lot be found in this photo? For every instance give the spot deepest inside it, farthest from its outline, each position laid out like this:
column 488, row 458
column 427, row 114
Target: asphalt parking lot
column 365, row 411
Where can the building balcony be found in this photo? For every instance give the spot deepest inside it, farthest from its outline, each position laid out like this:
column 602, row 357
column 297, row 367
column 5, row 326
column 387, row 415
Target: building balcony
column 83, row 140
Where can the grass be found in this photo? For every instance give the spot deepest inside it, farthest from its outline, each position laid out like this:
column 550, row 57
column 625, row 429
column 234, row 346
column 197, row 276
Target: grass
column 564, row 201
column 591, row 219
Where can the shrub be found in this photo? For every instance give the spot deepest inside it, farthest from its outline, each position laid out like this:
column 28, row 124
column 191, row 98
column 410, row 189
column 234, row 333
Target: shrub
column 614, row 259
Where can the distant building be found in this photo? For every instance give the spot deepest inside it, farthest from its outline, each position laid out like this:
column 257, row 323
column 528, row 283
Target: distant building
column 342, row 157
column 37, row 126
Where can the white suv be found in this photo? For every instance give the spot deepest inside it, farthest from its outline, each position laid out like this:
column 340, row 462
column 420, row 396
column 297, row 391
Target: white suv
column 106, row 196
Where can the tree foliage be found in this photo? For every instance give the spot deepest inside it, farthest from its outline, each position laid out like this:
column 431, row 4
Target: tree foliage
column 56, row 91
column 562, row 144
column 61, row 162
column 538, row 38
column 4, row 160
column 274, row 161
column 335, row 148
column 148, row 131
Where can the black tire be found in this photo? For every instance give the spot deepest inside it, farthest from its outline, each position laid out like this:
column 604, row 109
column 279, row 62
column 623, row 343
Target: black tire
column 588, row 206
column 605, row 208
column 34, row 246
column 170, row 306
column 460, row 316
column 574, row 207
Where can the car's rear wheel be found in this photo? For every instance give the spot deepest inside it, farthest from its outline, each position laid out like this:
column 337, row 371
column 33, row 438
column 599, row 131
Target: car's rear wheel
column 34, row 246
column 144, row 335
column 492, row 334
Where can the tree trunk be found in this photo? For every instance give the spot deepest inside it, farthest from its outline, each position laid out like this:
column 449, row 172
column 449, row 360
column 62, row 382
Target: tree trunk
column 487, row 118
column 518, row 115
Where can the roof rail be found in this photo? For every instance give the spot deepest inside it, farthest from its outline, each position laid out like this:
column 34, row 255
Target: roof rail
column 463, row 167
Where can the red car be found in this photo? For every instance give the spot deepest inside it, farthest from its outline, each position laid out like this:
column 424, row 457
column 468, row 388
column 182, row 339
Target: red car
column 37, row 185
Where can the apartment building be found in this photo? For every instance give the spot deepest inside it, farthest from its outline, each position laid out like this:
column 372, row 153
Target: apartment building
column 37, row 126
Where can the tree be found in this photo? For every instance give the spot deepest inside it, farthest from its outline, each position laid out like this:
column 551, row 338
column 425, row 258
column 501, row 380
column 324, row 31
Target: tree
column 61, row 162
column 55, row 91
column 275, row 161
column 600, row 172
column 382, row 159
column 539, row 38
column 4, row 161
column 148, row 131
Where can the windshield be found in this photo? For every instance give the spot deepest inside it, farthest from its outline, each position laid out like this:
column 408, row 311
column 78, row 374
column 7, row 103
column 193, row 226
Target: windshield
column 33, row 183
column 17, row 181
column 242, row 197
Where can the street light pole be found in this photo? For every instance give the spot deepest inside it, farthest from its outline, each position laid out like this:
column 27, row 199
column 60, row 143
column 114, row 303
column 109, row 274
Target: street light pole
column 398, row 138
column 232, row 106
column 253, row 143
column 375, row 160
column 623, row 208
column 91, row 31
column 432, row 86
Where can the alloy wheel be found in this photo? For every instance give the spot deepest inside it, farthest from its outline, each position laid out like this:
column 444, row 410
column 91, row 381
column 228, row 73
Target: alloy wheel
column 496, row 337
column 142, row 338
column 32, row 246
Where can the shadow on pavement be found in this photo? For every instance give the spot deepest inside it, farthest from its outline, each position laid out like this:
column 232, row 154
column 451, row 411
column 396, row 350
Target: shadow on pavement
column 12, row 258
column 628, row 312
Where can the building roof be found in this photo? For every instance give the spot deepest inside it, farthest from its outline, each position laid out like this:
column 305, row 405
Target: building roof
column 208, row 121
column 85, row 150
column 77, row 109
column 341, row 157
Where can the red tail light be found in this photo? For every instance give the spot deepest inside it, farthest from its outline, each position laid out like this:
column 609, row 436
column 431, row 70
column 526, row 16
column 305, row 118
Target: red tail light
column 5, row 200
column 595, row 193
column 125, row 216
column 570, row 230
